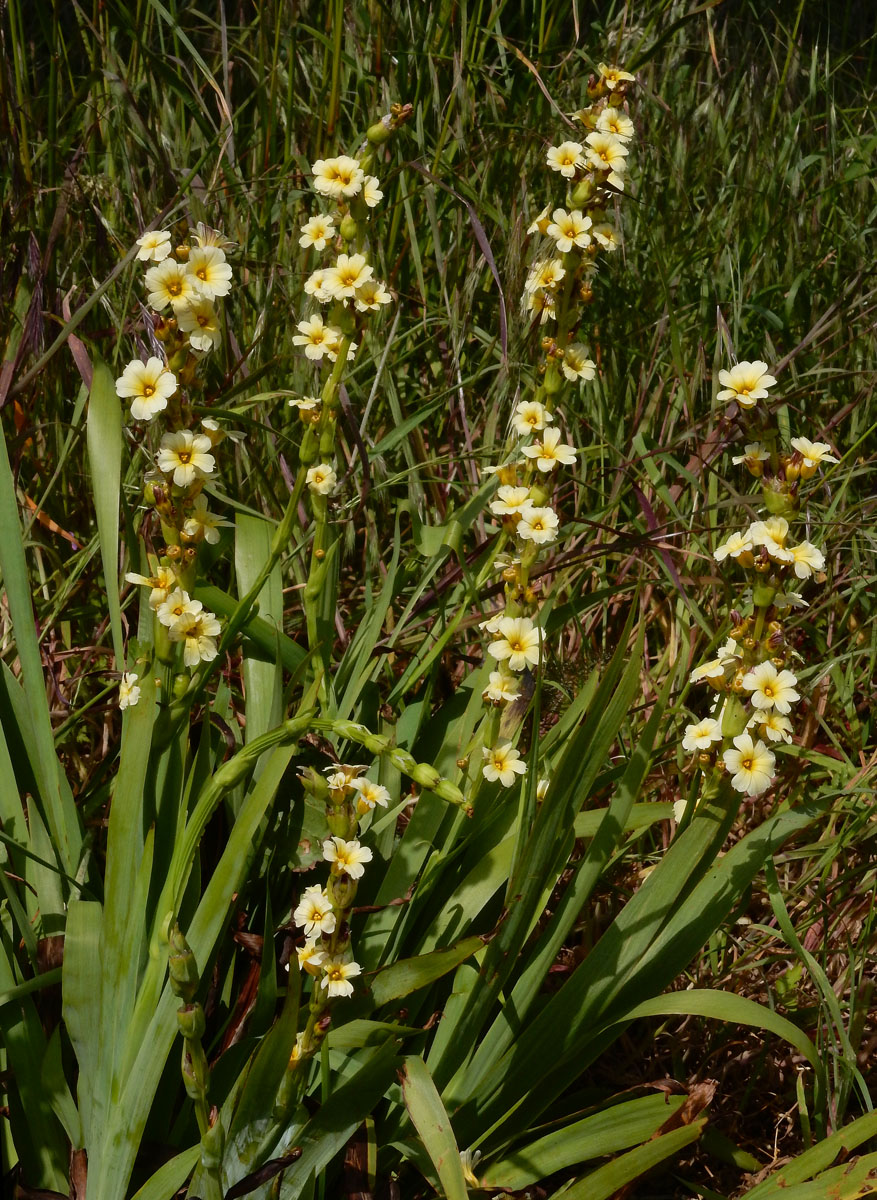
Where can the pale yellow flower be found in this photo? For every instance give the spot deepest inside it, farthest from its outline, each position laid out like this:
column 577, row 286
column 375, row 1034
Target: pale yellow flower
column 502, row 688
column 314, row 912
column 154, row 246
column 317, row 231
column 771, row 724
column 369, row 296
column 337, row 975
column 813, row 453
column 162, row 582
column 129, row 690
column 338, row 177
column 550, row 451
column 569, row 229
column 321, row 479
column 315, row 285
column 751, row 764
column 747, row 383
column 530, row 417
column 311, row 958
column 371, row 191
column 518, row 643
column 186, row 456
column 200, row 320
column 510, row 500
column 606, row 152
column 350, row 272
column 613, row 120
column 502, row 763
column 576, row 364
column 316, row 337
column 203, row 525
column 212, row 274
column 806, row 559
column 305, row 403
column 700, row 737
column 754, row 452
column 149, row 384
column 737, row 544
column 607, row 236
column 175, row 605
column 169, row 284
column 771, row 534
column 771, row 688
column 347, row 858
column 565, row 158
column 613, row 77
column 369, row 795
column 540, row 224
column 198, row 633
column 543, row 304
column 205, row 236
column 538, row 525
column 544, row 275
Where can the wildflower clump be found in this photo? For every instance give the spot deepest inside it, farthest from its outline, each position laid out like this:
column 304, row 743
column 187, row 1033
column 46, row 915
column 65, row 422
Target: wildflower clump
column 572, row 235
column 754, row 675
column 185, row 285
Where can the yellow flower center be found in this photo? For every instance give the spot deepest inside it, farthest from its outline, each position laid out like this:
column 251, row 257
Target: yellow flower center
column 747, row 763
column 203, row 320
column 175, row 287
column 184, row 456
column 202, row 274
column 335, row 974
column 148, row 390
column 768, row 691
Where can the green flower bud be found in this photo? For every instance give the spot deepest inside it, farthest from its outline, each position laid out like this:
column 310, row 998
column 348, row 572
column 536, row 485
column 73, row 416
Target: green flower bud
column 348, row 228
column 314, row 784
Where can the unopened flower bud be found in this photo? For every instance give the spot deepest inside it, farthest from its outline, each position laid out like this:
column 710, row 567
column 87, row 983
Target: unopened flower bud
column 348, row 228
column 181, row 684
column 181, row 253
column 314, row 783
column 582, row 193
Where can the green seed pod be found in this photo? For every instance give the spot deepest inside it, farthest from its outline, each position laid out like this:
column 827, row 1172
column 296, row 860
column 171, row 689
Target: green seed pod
column 212, row 1146
column 190, row 1018
column 378, row 133
column 348, row 228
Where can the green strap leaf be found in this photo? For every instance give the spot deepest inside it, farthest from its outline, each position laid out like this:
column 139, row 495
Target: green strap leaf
column 434, row 1126
column 104, row 437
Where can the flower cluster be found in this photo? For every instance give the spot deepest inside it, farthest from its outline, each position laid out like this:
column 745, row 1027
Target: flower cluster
column 756, row 689
column 323, row 911
column 558, row 282
column 573, row 234
column 184, row 286
column 347, row 286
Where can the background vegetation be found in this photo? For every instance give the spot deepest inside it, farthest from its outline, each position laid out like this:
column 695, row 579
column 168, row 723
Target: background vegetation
column 749, row 226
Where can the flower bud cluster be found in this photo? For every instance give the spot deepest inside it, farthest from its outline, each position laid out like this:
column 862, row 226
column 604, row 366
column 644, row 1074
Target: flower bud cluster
column 188, row 283
column 756, row 690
